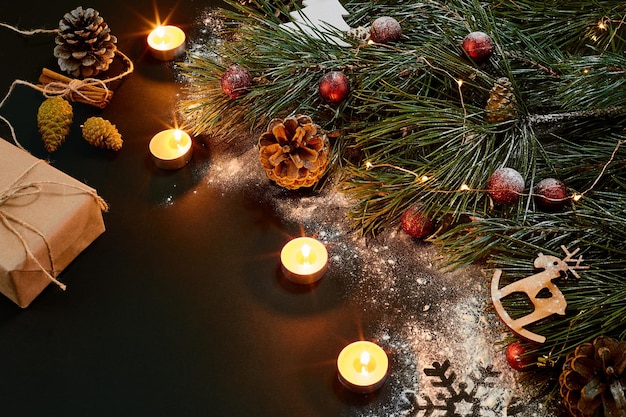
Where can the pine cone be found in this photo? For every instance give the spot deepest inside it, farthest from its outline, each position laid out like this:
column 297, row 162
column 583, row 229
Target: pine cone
column 85, row 45
column 102, row 133
column 593, row 379
column 292, row 152
column 501, row 105
column 54, row 119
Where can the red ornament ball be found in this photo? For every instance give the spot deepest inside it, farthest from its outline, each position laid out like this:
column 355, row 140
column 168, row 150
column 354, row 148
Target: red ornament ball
column 334, row 87
column 516, row 356
column 505, row 186
column 236, row 81
column 385, row 29
column 478, row 46
column 551, row 194
column 416, row 224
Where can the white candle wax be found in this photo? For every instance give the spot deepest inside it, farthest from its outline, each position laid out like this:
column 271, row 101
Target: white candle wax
column 304, row 260
column 362, row 367
column 167, row 42
column 171, row 149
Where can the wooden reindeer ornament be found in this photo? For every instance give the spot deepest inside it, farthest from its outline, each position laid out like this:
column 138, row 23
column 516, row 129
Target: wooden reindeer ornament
column 553, row 268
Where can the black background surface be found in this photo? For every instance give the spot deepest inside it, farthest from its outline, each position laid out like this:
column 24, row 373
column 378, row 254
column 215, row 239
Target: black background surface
column 177, row 309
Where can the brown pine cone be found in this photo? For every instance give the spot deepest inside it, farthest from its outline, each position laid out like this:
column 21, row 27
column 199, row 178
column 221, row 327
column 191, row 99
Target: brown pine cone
column 84, row 45
column 593, row 379
column 501, row 105
column 293, row 153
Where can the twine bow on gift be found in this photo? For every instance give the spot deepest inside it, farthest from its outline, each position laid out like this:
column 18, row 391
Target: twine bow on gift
column 18, row 189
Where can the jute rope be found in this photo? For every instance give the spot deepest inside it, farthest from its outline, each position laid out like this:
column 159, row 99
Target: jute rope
column 19, row 189
column 71, row 89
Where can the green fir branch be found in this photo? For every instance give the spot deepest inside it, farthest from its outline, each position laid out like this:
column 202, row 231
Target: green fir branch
column 414, row 130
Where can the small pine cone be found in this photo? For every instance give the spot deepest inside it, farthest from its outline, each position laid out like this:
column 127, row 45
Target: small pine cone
column 85, row 46
column 592, row 381
column 54, row 119
column 361, row 33
column 501, row 105
column 293, row 153
column 102, row 133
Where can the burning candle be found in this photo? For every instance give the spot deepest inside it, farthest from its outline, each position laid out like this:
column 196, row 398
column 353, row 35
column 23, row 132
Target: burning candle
column 166, row 42
column 304, row 260
column 171, row 149
column 362, row 367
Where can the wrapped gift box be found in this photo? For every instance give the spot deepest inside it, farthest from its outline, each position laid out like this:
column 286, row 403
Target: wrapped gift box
column 46, row 219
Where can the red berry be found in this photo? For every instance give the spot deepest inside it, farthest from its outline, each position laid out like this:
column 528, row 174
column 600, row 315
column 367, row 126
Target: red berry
column 334, row 86
column 478, row 46
column 385, row 29
column 505, row 186
column 516, row 356
column 551, row 194
column 416, row 224
column 235, row 81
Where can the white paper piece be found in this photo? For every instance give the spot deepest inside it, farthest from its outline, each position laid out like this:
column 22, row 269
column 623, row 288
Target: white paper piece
column 323, row 15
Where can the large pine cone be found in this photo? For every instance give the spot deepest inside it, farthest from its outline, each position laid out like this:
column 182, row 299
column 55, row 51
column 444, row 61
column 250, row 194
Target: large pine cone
column 292, row 152
column 85, row 45
column 501, row 105
column 593, row 379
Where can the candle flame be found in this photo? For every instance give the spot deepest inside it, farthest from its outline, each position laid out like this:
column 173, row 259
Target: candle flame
column 365, row 360
column 306, row 253
column 159, row 33
column 178, row 139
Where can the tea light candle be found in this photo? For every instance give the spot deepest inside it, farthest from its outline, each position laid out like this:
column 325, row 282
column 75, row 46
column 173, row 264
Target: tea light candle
column 362, row 367
column 166, row 42
column 171, row 149
column 304, row 260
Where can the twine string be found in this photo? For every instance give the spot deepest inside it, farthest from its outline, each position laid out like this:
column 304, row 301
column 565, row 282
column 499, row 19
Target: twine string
column 72, row 88
column 59, row 88
column 19, row 189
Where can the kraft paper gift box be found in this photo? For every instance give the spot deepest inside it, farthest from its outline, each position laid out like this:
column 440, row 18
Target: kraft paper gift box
column 46, row 219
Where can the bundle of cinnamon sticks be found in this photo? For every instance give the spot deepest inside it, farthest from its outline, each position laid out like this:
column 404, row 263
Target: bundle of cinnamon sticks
column 82, row 91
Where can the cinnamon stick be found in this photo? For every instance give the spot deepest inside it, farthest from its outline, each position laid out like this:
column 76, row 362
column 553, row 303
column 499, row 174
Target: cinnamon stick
column 86, row 93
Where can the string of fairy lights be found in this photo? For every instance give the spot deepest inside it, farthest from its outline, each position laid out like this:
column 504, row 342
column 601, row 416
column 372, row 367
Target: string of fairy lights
column 602, row 25
column 463, row 188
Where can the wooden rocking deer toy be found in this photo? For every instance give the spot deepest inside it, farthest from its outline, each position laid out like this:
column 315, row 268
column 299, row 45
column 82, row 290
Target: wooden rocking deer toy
column 553, row 268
